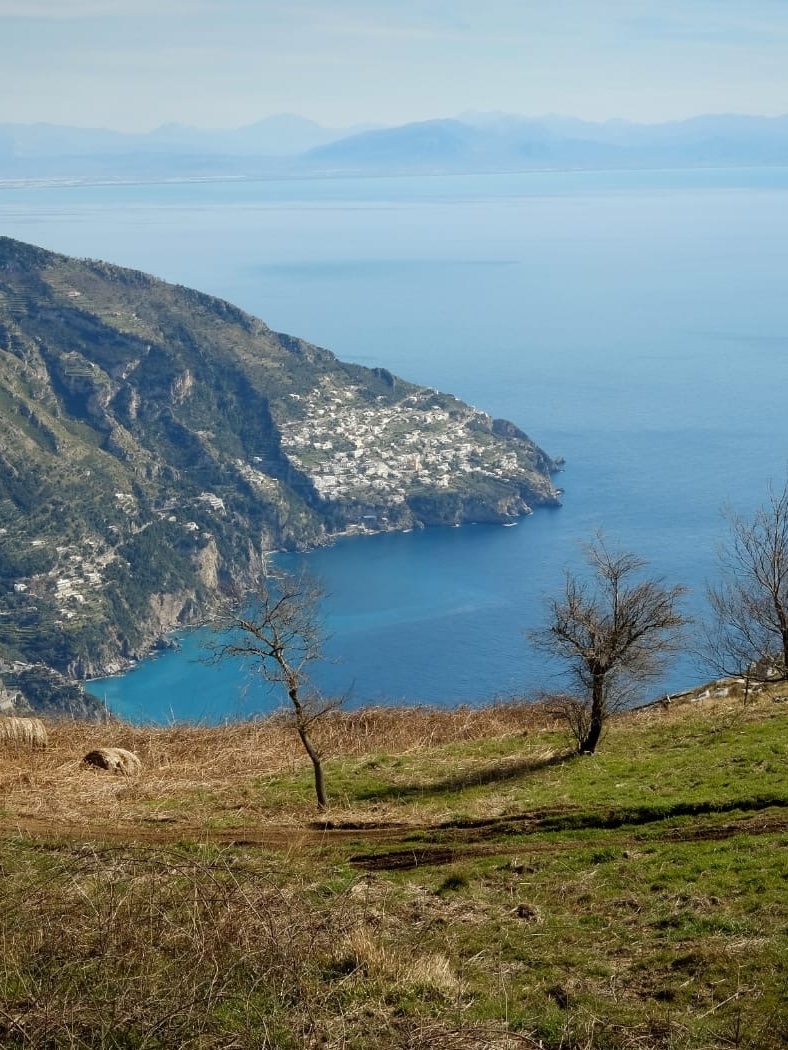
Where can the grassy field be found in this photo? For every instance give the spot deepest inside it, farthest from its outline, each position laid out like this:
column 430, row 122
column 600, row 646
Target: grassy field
column 472, row 885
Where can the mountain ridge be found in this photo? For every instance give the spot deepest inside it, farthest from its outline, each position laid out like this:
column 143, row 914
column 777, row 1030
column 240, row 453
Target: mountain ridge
column 291, row 146
column 156, row 441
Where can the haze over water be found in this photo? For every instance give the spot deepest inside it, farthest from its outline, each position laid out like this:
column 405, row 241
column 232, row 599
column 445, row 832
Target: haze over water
column 635, row 323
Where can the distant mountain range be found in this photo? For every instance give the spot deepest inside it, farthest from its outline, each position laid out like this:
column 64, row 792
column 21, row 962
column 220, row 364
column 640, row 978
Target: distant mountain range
column 289, row 145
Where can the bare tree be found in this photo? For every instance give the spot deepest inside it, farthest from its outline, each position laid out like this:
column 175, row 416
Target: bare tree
column 612, row 632
column 276, row 628
column 748, row 634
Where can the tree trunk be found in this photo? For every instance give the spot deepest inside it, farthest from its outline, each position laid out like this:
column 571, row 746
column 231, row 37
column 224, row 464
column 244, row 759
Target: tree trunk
column 784, row 668
column 597, row 721
column 301, row 723
column 320, row 786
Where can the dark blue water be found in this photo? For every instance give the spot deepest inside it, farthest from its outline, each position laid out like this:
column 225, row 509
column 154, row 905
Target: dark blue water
column 636, row 323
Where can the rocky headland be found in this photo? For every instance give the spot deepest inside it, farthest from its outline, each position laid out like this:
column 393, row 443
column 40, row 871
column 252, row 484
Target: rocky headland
column 156, row 441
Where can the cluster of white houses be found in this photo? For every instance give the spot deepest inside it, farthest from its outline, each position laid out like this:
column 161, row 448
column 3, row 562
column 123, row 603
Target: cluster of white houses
column 77, row 573
column 351, row 448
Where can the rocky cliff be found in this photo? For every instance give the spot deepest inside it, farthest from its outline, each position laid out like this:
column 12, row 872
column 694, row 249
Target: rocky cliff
column 155, row 441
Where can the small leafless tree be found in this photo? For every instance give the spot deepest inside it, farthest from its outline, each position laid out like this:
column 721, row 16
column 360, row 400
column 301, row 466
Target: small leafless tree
column 276, row 628
column 612, row 632
column 748, row 633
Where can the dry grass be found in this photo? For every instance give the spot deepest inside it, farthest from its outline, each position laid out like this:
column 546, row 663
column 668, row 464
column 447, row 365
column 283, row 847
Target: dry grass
column 142, row 912
column 404, row 764
column 200, row 778
column 398, row 730
column 136, row 948
column 118, row 947
column 253, row 775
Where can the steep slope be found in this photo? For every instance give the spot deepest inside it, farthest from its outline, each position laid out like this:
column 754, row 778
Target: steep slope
column 154, row 440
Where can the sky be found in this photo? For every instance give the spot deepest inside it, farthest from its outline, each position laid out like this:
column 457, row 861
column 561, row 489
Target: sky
column 133, row 65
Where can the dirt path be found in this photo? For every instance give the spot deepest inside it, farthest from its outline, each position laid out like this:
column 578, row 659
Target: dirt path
column 410, row 846
column 274, row 836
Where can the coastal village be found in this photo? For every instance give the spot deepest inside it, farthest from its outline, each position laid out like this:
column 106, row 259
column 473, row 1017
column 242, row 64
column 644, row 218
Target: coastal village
column 156, row 437
column 373, row 452
column 380, row 451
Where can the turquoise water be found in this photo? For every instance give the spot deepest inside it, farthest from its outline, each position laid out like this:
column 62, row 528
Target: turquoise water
column 636, row 323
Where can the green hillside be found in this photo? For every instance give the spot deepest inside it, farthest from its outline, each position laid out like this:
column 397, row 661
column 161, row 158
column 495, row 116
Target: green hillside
column 155, row 441
column 473, row 886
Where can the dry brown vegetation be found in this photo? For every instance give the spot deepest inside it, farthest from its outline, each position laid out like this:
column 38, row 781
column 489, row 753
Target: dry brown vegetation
column 199, row 779
column 473, row 887
column 237, row 779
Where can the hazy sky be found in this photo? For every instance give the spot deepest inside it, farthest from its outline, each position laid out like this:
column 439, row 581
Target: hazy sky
column 135, row 64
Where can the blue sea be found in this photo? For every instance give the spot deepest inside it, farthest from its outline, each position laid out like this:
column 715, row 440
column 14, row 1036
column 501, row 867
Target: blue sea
column 635, row 323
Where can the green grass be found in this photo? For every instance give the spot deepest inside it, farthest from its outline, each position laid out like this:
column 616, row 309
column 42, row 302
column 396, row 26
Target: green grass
column 632, row 900
column 704, row 762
